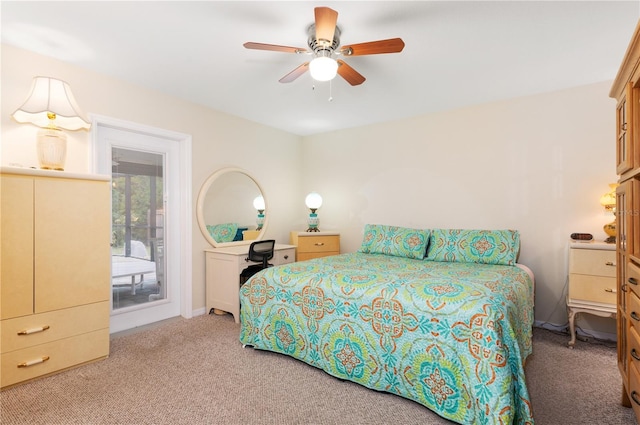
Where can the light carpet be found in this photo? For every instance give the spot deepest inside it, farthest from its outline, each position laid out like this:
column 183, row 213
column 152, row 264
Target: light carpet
column 196, row 372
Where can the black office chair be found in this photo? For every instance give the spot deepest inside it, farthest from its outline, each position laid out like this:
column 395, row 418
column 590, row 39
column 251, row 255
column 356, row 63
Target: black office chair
column 260, row 252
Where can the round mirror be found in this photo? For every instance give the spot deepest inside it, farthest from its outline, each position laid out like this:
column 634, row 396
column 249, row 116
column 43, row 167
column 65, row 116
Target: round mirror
column 225, row 208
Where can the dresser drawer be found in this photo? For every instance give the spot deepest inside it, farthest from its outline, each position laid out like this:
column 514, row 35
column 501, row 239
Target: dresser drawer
column 633, row 345
column 634, row 388
column 596, row 289
column 21, row 365
column 317, row 244
column 633, row 310
column 633, row 278
column 593, row 262
column 36, row 329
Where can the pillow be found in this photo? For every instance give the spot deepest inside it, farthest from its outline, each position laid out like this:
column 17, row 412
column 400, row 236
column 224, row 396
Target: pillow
column 239, row 236
column 475, row 246
column 396, row 241
column 225, row 232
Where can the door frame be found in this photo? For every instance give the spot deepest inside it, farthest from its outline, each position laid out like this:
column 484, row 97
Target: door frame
column 185, row 194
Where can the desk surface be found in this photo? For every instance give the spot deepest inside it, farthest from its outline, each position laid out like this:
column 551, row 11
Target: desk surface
column 243, row 249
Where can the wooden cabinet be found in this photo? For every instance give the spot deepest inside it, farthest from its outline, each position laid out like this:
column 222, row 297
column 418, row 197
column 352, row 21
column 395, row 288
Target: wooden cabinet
column 625, row 90
column 315, row 244
column 55, row 271
column 592, row 282
column 222, row 275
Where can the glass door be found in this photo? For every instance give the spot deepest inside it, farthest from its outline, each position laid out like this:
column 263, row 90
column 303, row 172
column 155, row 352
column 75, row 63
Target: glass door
column 148, row 248
column 137, row 214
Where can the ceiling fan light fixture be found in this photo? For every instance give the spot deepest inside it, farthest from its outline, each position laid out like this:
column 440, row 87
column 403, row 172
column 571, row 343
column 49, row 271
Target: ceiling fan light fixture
column 323, row 68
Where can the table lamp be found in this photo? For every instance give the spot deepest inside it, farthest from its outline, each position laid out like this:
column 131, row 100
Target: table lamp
column 608, row 201
column 52, row 107
column 313, row 202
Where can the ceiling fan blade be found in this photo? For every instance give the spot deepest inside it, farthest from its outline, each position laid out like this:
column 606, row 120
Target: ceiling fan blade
column 352, row 76
column 392, row 45
column 273, row 47
column 295, row 73
column 326, row 20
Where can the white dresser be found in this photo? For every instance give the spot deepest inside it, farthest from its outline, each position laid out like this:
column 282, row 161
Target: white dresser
column 592, row 281
column 223, row 268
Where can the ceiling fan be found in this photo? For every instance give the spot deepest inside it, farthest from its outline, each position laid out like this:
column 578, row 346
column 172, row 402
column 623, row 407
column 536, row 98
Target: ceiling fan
column 324, row 44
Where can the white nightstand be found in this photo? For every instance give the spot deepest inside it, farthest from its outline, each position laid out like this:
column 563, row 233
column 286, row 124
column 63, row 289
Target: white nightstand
column 592, row 281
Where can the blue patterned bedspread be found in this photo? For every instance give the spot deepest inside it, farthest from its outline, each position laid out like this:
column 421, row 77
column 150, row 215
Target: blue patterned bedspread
column 451, row 336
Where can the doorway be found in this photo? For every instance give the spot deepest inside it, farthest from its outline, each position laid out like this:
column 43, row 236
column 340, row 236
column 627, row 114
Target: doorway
column 150, row 228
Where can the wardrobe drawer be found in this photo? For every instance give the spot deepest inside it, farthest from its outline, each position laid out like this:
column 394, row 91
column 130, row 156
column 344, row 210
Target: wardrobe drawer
column 32, row 362
column 594, row 262
column 27, row 331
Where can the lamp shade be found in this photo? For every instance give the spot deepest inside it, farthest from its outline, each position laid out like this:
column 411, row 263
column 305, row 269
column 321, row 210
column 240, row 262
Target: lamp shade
column 313, row 201
column 608, row 200
column 323, row 68
column 258, row 203
column 51, row 99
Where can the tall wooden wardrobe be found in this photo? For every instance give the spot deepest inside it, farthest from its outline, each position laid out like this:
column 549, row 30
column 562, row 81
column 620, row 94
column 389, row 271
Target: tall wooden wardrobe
column 55, row 278
column 626, row 90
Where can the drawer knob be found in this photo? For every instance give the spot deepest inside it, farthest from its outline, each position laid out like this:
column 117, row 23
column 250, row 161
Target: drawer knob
column 635, row 355
column 634, row 397
column 610, row 290
column 34, row 362
column 633, row 281
column 319, row 243
column 286, row 257
column 635, row 316
column 33, row 330
column 610, row 263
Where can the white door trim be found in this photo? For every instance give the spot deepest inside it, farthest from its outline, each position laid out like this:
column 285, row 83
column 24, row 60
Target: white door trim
column 186, row 208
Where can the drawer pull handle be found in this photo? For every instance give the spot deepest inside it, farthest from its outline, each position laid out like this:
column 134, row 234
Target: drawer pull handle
column 634, row 354
column 286, row 257
column 34, row 362
column 633, row 281
column 634, row 397
column 635, row 316
column 319, row 243
column 34, row 330
column 613, row 291
column 610, row 263
column 623, row 287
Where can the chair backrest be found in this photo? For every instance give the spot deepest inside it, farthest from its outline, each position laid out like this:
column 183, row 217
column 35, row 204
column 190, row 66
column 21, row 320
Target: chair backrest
column 261, row 251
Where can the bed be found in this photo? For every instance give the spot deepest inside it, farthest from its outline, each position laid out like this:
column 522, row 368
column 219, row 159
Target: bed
column 442, row 317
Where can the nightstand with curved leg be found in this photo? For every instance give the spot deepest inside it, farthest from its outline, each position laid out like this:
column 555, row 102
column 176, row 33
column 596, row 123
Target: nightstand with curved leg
column 592, row 282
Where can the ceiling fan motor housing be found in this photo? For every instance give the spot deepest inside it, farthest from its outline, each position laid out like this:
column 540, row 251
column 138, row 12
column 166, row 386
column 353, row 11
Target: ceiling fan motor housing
column 321, row 46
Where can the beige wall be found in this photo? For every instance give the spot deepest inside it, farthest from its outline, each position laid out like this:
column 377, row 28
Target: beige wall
column 218, row 139
column 537, row 164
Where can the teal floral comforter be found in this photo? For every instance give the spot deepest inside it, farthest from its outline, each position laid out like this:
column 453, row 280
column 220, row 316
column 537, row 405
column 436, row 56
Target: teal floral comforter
column 451, row 336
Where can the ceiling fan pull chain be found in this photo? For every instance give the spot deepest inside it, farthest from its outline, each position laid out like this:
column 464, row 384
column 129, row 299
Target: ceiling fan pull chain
column 330, row 97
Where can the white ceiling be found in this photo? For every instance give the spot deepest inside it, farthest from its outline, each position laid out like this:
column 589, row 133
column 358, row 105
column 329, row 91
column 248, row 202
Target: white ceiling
column 457, row 53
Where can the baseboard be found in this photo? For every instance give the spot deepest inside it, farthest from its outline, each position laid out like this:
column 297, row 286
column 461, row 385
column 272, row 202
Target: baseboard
column 584, row 334
column 199, row 312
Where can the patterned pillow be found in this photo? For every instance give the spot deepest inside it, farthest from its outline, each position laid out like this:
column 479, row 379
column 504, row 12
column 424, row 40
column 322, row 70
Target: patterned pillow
column 225, row 232
column 475, row 246
column 396, row 241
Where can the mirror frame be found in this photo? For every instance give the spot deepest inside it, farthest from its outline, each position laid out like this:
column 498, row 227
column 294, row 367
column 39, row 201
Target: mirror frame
column 200, row 204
